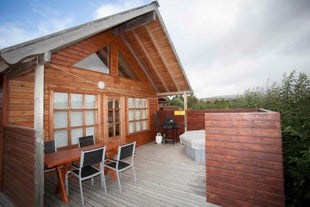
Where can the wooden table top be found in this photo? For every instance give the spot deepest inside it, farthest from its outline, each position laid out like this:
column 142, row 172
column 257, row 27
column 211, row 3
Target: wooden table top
column 71, row 155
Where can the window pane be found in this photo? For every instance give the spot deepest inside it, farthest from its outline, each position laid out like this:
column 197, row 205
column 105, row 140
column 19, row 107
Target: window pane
column 61, row 138
column 76, row 119
column 138, row 126
column 130, row 103
column 137, row 103
column 90, row 101
column 131, row 115
column 111, row 131
column 144, row 125
column 110, row 104
column 116, row 116
column 76, row 101
column 137, row 115
column 143, row 114
column 98, row 61
column 117, row 130
column 90, row 131
column 60, row 101
column 76, row 133
column 110, row 117
column 131, row 127
column 144, row 103
column 116, row 104
column 90, row 117
column 60, row 120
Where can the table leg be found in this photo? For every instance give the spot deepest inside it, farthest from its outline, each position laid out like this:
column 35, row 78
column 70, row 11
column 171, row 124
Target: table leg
column 111, row 154
column 61, row 184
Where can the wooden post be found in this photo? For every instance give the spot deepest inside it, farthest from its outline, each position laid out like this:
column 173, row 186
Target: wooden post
column 185, row 109
column 38, row 126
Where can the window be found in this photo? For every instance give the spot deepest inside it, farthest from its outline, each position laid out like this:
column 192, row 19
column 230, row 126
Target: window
column 137, row 114
column 98, row 61
column 75, row 115
column 124, row 69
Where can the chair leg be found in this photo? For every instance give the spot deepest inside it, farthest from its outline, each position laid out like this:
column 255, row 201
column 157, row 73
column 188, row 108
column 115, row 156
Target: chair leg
column 67, row 184
column 103, row 183
column 134, row 173
column 81, row 190
column 119, row 181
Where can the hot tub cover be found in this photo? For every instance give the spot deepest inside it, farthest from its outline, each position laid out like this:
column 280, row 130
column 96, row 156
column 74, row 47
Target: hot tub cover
column 194, row 139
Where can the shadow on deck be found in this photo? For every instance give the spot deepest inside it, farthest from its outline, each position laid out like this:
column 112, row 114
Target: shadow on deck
column 166, row 177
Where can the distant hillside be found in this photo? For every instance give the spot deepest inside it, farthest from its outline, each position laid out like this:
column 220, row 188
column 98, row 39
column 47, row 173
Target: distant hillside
column 224, row 97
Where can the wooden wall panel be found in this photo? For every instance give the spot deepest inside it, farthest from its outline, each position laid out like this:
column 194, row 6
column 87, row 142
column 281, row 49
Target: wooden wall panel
column 21, row 101
column 19, row 165
column 244, row 158
column 60, row 75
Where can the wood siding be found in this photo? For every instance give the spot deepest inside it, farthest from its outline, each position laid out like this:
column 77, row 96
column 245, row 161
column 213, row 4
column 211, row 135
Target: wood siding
column 19, row 165
column 21, row 101
column 244, row 159
column 61, row 76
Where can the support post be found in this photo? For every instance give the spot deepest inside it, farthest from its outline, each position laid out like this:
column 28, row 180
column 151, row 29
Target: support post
column 185, row 109
column 38, row 126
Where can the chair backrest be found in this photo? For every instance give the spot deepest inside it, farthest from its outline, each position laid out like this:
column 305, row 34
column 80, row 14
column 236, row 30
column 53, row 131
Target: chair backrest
column 49, row 147
column 126, row 150
column 93, row 156
column 86, row 141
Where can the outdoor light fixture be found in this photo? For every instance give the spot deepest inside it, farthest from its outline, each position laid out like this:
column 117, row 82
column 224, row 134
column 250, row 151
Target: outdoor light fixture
column 101, row 84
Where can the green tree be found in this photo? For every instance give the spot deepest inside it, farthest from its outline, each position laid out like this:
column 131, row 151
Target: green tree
column 176, row 101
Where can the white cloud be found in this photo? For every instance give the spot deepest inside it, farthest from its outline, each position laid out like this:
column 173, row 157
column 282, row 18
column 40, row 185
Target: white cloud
column 116, row 7
column 227, row 47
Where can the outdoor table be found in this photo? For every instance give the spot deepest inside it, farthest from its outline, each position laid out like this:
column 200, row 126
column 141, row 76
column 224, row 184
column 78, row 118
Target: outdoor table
column 62, row 160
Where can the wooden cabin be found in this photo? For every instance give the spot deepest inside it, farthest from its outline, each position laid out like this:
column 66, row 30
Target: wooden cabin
column 101, row 78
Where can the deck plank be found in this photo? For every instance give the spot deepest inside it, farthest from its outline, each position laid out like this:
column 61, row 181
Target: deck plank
column 166, row 177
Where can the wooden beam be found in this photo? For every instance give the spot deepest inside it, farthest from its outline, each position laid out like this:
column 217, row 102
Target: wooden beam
column 174, row 93
column 125, row 39
column 135, row 22
column 22, row 68
column 28, row 64
column 150, row 60
column 161, row 56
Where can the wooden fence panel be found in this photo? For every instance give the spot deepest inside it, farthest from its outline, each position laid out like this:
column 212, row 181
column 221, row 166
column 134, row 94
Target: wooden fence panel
column 244, row 158
column 19, row 165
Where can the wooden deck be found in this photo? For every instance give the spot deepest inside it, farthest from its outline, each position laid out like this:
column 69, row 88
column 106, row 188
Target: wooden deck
column 166, row 177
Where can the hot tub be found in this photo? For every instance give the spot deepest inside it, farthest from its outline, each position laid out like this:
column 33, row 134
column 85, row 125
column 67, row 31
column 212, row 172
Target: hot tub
column 194, row 142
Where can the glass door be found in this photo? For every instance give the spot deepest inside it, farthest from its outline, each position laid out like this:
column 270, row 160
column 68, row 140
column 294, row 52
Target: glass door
column 114, row 119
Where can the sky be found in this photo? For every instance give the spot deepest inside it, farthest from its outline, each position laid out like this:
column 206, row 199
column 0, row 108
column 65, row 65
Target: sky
column 225, row 46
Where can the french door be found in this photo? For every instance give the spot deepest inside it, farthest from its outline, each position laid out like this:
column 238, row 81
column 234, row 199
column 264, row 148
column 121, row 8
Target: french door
column 114, row 119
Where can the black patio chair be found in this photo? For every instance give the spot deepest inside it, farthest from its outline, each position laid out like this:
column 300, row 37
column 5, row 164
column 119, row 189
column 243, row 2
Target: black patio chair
column 86, row 141
column 49, row 147
column 87, row 169
column 124, row 161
